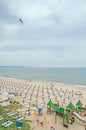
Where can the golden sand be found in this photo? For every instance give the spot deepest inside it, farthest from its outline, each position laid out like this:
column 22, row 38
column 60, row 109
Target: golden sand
column 33, row 94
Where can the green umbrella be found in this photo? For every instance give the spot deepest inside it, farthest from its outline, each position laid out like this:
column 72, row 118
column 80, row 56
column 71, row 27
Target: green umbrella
column 65, row 116
column 71, row 106
column 60, row 110
column 79, row 104
column 50, row 104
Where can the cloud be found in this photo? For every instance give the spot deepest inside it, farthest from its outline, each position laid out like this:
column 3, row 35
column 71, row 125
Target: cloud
column 55, row 30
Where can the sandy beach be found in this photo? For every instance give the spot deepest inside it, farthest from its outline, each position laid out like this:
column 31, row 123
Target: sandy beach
column 33, row 94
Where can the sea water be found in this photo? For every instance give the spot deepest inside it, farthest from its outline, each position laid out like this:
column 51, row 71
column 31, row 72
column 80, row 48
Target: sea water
column 61, row 75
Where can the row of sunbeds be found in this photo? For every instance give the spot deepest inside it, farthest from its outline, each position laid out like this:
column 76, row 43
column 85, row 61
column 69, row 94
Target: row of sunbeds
column 8, row 123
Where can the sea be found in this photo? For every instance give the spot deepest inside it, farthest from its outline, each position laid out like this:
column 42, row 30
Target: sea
column 74, row 76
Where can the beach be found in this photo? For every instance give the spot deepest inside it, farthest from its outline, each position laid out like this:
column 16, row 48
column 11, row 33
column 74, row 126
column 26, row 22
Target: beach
column 32, row 94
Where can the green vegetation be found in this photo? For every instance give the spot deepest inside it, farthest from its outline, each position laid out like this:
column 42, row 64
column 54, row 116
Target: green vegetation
column 3, row 113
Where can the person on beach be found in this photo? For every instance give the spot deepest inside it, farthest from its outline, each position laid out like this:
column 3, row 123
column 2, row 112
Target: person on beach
column 41, row 123
column 38, row 120
column 44, row 119
column 35, row 116
column 52, row 128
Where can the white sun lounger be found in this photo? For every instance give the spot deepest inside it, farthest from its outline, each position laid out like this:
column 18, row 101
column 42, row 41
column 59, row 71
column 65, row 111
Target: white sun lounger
column 5, row 123
column 19, row 119
column 1, row 118
column 11, row 114
column 18, row 116
column 8, row 124
column 20, row 110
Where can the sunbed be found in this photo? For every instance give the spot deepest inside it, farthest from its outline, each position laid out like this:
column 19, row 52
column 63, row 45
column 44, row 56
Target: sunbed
column 18, row 116
column 10, row 113
column 19, row 119
column 1, row 118
column 6, row 123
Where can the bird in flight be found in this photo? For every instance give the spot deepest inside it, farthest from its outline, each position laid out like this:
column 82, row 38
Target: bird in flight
column 21, row 20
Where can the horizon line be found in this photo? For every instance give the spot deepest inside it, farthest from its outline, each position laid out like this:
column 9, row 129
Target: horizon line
column 43, row 66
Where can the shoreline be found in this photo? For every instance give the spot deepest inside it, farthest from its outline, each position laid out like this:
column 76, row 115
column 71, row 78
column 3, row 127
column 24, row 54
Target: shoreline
column 49, row 82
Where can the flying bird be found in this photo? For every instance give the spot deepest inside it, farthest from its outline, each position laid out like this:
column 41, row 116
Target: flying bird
column 21, row 20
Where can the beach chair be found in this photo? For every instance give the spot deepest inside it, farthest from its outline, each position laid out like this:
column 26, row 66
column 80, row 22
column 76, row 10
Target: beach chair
column 5, row 123
column 18, row 116
column 19, row 119
column 11, row 114
column 1, row 118
column 8, row 124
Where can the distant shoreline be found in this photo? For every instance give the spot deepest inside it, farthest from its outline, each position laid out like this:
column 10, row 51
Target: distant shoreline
column 41, row 67
column 50, row 82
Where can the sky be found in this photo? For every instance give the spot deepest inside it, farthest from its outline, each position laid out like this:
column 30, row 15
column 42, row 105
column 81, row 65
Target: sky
column 53, row 33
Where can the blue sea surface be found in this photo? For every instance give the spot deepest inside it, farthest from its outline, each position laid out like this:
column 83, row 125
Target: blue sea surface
column 60, row 75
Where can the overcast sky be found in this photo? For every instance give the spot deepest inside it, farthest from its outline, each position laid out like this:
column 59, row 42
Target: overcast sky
column 53, row 33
